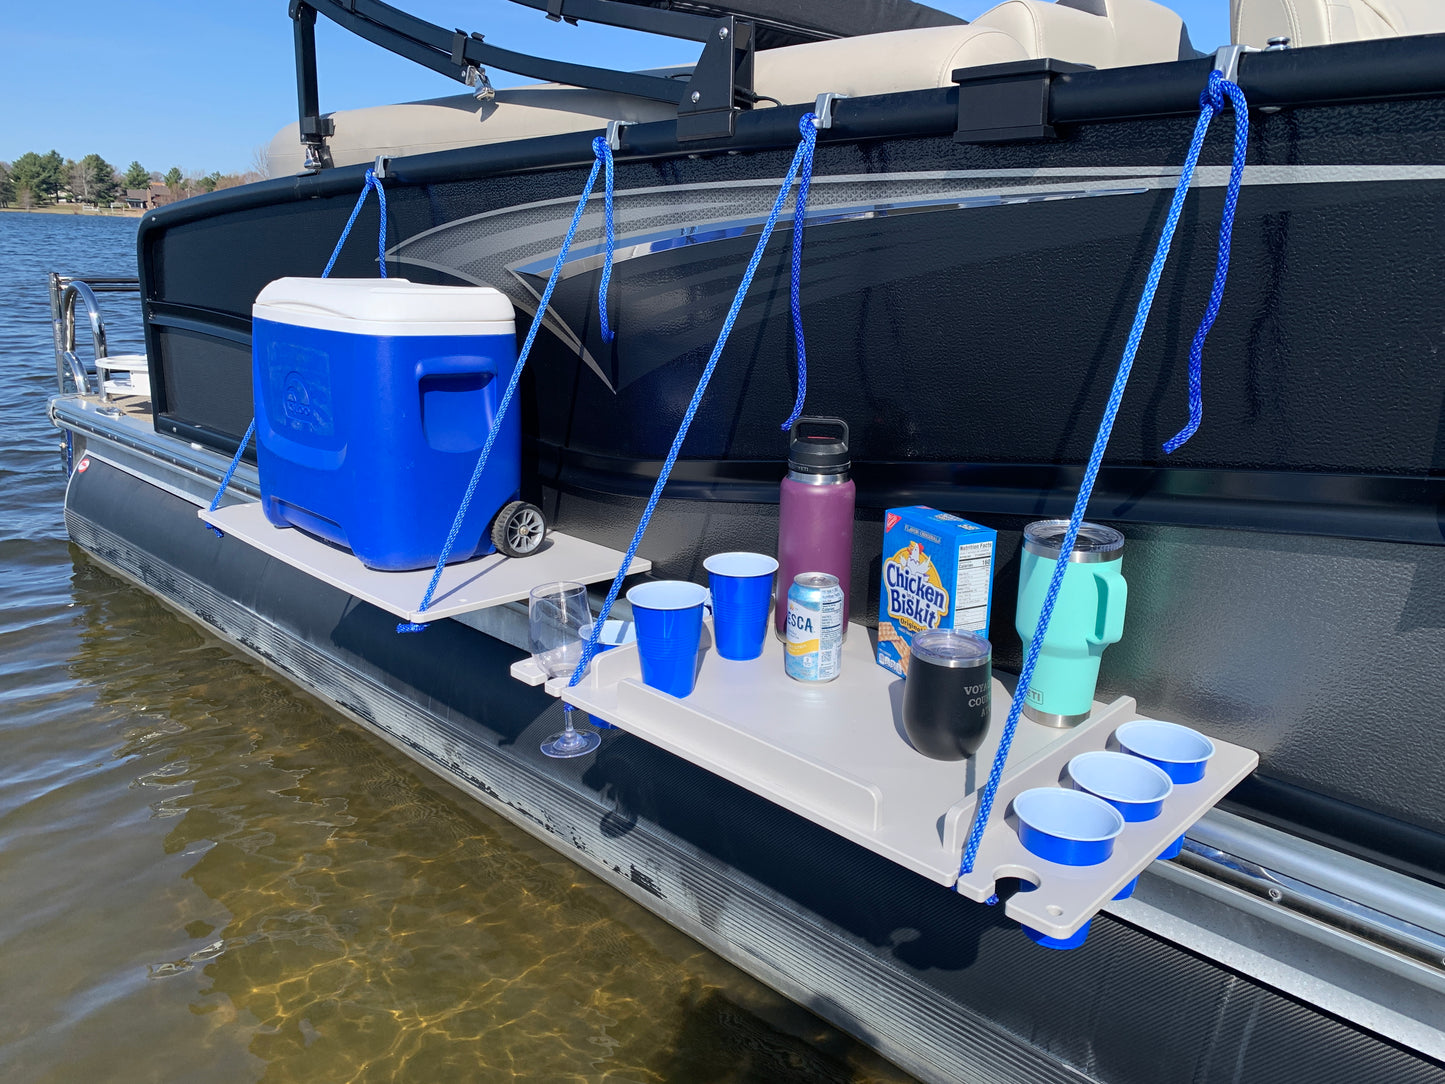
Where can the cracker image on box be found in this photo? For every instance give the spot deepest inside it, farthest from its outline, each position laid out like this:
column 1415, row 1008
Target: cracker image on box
column 937, row 574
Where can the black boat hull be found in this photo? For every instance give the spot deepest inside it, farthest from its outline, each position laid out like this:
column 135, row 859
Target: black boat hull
column 948, row 989
column 966, row 306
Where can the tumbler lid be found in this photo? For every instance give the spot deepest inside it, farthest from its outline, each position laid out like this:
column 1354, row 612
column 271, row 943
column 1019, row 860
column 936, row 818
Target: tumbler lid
column 951, row 648
column 1094, row 542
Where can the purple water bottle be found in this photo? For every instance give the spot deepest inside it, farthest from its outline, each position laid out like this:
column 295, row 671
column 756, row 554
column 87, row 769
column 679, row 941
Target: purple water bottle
column 815, row 509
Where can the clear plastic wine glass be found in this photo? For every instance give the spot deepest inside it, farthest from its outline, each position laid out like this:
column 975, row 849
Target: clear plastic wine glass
column 558, row 618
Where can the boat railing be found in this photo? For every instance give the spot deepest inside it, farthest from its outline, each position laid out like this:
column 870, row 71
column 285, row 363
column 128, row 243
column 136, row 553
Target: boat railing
column 65, row 290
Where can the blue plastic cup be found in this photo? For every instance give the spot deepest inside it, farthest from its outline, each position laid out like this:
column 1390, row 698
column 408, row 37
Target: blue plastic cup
column 1173, row 850
column 1134, row 786
column 742, row 591
column 1067, row 826
column 1128, row 890
column 1182, row 753
column 1038, row 937
column 1074, row 940
column 668, row 616
column 615, row 633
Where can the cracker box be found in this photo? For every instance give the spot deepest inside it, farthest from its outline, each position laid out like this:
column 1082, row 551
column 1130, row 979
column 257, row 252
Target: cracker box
column 937, row 574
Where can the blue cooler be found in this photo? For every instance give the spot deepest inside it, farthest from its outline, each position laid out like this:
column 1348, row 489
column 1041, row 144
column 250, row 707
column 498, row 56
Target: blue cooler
column 373, row 400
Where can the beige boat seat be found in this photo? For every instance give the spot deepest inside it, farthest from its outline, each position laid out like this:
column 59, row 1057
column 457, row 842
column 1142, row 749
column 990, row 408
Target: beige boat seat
column 1325, row 22
column 1102, row 33
column 880, row 63
column 442, row 124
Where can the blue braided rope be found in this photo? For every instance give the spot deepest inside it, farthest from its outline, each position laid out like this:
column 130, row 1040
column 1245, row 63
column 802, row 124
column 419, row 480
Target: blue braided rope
column 809, row 134
column 601, row 150
column 606, row 153
column 805, row 178
column 226, row 480
column 367, row 185
column 1214, row 94
column 1091, row 472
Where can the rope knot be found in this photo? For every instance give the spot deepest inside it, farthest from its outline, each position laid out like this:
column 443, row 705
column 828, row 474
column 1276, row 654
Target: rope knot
column 603, row 150
column 1219, row 87
column 803, row 166
column 1213, row 94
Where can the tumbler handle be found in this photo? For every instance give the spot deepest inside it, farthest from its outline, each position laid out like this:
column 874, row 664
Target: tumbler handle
column 1113, row 600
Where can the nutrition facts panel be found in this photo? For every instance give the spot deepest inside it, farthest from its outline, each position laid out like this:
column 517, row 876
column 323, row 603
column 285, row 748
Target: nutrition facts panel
column 970, row 608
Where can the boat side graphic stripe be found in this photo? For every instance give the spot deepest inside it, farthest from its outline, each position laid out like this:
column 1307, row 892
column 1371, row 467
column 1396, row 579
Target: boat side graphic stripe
column 1165, row 176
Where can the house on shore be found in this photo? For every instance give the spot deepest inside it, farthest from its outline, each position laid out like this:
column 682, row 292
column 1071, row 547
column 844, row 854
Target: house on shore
column 156, row 194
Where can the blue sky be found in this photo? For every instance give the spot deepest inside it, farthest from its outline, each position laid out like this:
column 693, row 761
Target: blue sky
column 201, row 83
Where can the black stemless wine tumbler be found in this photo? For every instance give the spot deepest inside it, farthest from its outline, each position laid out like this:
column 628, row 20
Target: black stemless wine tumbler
column 946, row 696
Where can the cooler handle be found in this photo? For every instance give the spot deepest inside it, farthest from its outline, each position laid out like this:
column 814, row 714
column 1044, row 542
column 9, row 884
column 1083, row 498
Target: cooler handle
column 456, row 365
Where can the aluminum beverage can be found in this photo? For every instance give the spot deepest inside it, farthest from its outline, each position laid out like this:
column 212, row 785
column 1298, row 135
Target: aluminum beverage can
column 814, row 650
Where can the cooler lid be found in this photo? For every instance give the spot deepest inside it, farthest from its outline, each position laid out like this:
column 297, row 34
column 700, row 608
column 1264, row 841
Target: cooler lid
column 385, row 307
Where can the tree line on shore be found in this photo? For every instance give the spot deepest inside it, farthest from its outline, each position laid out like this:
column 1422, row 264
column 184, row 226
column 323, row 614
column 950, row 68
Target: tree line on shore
column 38, row 180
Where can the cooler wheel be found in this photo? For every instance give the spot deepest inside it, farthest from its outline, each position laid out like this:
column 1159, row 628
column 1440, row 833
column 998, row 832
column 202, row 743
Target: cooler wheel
column 519, row 529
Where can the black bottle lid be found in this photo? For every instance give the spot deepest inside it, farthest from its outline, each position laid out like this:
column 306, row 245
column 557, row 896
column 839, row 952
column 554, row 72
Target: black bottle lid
column 818, row 446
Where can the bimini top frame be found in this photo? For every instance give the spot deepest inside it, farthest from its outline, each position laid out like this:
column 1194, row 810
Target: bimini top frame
column 707, row 99
column 720, row 84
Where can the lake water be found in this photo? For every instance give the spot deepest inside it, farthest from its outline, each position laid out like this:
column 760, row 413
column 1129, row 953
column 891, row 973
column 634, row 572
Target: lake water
column 207, row 876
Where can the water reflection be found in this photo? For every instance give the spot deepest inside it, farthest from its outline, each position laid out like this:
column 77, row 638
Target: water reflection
column 343, row 916
column 206, row 875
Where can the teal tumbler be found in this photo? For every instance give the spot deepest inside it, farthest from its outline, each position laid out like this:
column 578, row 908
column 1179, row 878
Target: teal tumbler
column 1088, row 616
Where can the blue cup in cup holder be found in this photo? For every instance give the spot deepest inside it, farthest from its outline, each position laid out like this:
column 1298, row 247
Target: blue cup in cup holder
column 614, row 633
column 1067, row 826
column 1071, row 828
column 1180, row 752
column 1134, row 786
column 1173, row 850
column 1038, row 937
column 1074, row 940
